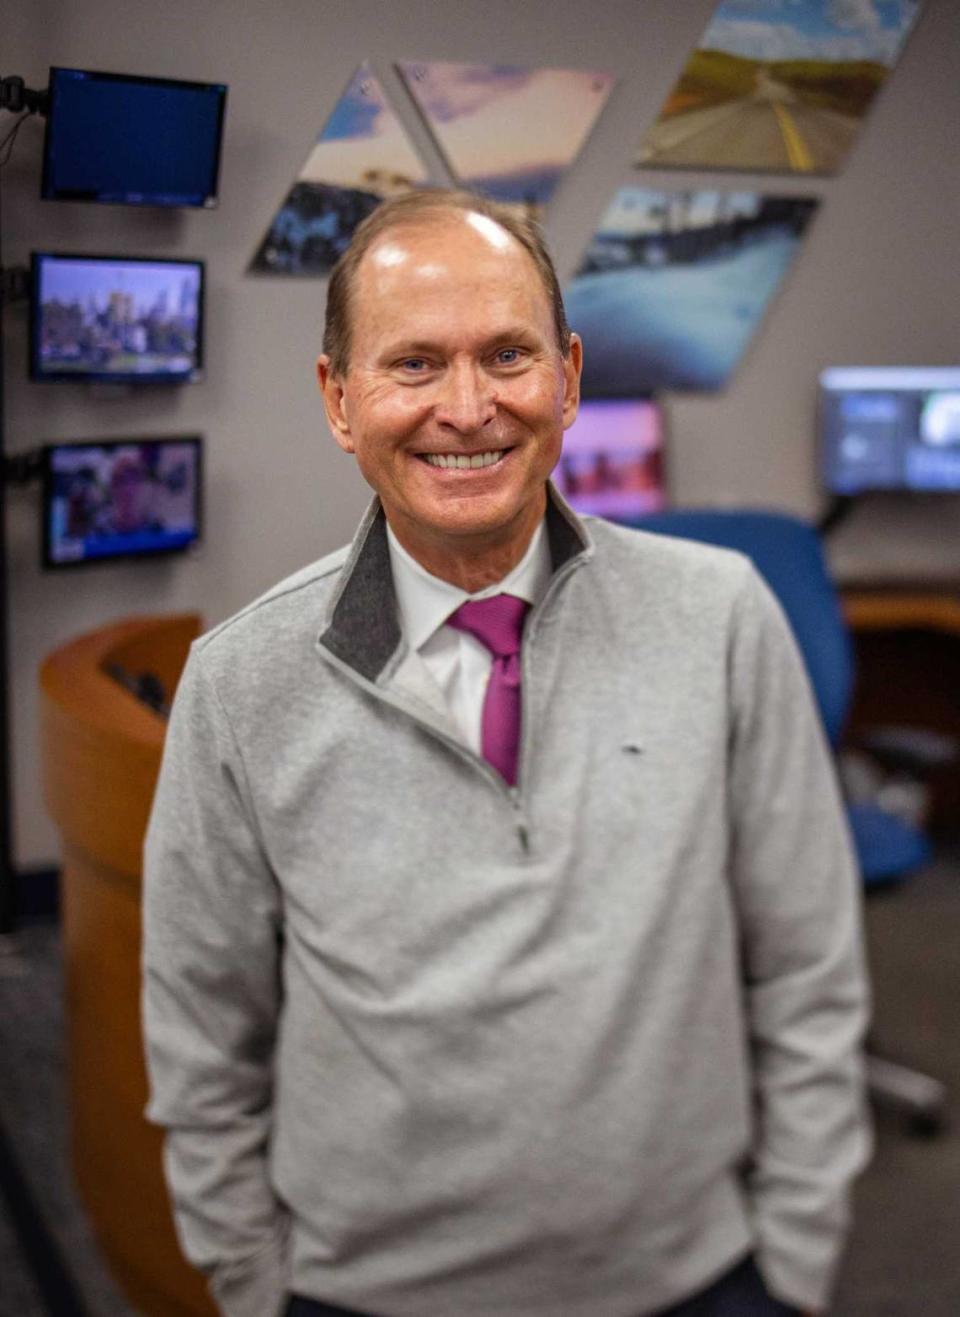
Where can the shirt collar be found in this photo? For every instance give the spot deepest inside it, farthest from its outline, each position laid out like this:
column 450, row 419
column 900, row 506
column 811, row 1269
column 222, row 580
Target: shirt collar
column 424, row 601
column 361, row 623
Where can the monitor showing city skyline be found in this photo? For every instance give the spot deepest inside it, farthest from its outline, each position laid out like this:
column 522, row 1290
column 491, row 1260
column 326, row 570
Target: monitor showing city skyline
column 116, row 318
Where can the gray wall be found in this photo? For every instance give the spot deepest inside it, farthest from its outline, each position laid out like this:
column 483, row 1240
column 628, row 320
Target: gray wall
column 877, row 281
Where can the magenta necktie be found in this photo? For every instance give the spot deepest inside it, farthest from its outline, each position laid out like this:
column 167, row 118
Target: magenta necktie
column 498, row 623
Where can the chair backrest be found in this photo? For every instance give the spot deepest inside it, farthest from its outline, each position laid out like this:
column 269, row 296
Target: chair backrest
column 788, row 554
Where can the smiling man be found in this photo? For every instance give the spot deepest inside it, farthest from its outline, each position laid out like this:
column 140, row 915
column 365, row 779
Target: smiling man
column 501, row 933
column 459, row 387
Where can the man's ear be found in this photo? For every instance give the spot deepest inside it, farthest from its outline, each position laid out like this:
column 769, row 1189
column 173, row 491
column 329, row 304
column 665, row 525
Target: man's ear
column 572, row 367
column 334, row 402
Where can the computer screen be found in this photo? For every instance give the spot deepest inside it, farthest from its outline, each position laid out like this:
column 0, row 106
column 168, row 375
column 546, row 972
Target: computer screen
column 890, row 428
column 120, row 498
column 119, row 318
column 612, row 464
column 129, row 140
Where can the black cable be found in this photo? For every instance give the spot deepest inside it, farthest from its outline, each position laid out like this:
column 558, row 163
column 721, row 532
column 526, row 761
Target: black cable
column 13, row 97
column 11, row 137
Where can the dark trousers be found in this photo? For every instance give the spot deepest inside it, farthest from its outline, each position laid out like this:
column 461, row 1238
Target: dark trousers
column 739, row 1293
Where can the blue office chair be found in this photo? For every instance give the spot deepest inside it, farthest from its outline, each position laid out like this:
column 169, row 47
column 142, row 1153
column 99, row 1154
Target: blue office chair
column 788, row 554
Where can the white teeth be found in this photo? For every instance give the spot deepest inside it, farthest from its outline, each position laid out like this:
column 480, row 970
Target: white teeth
column 460, row 462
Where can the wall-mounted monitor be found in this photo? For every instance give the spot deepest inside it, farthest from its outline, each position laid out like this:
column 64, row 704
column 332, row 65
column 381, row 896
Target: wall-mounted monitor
column 890, row 428
column 612, row 464
column 120, row 498
column 129, row 140
column 116, row 318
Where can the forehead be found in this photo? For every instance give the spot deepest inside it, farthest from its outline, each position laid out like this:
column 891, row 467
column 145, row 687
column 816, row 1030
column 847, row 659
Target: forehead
column 440, row 252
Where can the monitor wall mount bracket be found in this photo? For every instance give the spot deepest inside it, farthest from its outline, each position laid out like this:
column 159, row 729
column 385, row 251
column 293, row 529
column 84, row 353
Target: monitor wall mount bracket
column 22, row 468
column 14, row 284
column 16, row 97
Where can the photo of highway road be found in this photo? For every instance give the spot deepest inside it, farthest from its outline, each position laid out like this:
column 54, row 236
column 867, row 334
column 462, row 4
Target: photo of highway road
column 779, row 87
column 674, row 284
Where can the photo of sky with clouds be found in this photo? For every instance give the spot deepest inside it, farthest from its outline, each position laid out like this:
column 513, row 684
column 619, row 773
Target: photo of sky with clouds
column 811, row 29
column 508, row 132
column 362, row 140
column 362, row 156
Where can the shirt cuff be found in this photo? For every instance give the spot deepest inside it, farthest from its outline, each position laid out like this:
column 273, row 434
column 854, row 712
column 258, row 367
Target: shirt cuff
column 255, row 1287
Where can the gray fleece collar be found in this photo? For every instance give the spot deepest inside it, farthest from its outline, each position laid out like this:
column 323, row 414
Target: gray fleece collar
column 363, row 630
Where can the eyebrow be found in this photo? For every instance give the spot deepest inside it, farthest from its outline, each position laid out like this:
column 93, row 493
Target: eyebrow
column 426, row 347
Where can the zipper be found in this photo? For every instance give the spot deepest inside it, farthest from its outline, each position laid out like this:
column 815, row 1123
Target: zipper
column 555, row 582
column 513, row 794
column 476, row 761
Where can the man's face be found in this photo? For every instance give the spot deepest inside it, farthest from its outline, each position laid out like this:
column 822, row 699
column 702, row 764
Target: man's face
column 457, row 394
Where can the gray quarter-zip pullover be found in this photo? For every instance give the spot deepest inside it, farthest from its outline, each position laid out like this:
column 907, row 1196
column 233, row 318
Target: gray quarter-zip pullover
column 429, row 1046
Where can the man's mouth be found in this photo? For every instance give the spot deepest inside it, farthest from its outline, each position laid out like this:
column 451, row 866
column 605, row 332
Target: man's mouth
column 462, row 461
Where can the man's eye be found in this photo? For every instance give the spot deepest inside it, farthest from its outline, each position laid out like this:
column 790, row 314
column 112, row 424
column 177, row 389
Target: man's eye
column 508, row 356
column 415, row 365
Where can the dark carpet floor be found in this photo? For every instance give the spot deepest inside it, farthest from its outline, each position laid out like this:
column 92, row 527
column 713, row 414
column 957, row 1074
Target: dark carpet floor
column 904, row 1255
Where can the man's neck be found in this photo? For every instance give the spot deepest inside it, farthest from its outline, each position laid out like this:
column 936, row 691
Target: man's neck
column 468, row 565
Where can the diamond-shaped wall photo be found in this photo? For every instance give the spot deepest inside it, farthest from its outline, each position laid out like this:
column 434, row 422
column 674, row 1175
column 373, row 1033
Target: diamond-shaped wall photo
column 361, row 157
column 779, row 87
column 509, row 133
column 673, row 286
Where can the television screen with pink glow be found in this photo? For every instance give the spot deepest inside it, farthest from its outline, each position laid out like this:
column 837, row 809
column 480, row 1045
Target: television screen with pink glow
column 120, row 498
column 612, row 459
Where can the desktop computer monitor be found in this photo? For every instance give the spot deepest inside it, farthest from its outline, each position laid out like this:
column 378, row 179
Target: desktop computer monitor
column 894, row 428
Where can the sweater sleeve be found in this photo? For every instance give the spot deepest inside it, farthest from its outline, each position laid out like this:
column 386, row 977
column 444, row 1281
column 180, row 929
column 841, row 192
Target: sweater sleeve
column 211, row 1001
column 798, row 898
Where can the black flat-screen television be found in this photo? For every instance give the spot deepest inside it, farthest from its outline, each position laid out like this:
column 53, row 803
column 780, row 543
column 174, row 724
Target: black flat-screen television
column 116, row 318
column 890, row 428
column 612, row 463
column 128, row 140
column 120, row 498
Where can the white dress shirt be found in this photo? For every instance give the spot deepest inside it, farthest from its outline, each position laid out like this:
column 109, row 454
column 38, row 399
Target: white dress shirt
column 458, row 662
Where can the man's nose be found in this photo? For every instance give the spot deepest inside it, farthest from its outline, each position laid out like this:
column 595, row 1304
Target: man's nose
column 466, row 398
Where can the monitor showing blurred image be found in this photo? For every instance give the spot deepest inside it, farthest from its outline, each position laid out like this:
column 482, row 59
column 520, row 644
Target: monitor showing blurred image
column 122, row 319
column 612, row 459
column 890, row 428
column 130, row 140
column 120, row 499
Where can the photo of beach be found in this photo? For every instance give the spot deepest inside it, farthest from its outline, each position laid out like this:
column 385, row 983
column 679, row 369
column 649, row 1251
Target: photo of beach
column 779, row 85
column 674, row 284
column 361, row 157
column 509, row 133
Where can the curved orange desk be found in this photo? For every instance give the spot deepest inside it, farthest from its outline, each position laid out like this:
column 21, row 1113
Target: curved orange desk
column 101, row 751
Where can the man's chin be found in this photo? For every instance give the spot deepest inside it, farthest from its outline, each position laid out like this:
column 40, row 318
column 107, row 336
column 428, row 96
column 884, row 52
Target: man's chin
column 465, row 522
